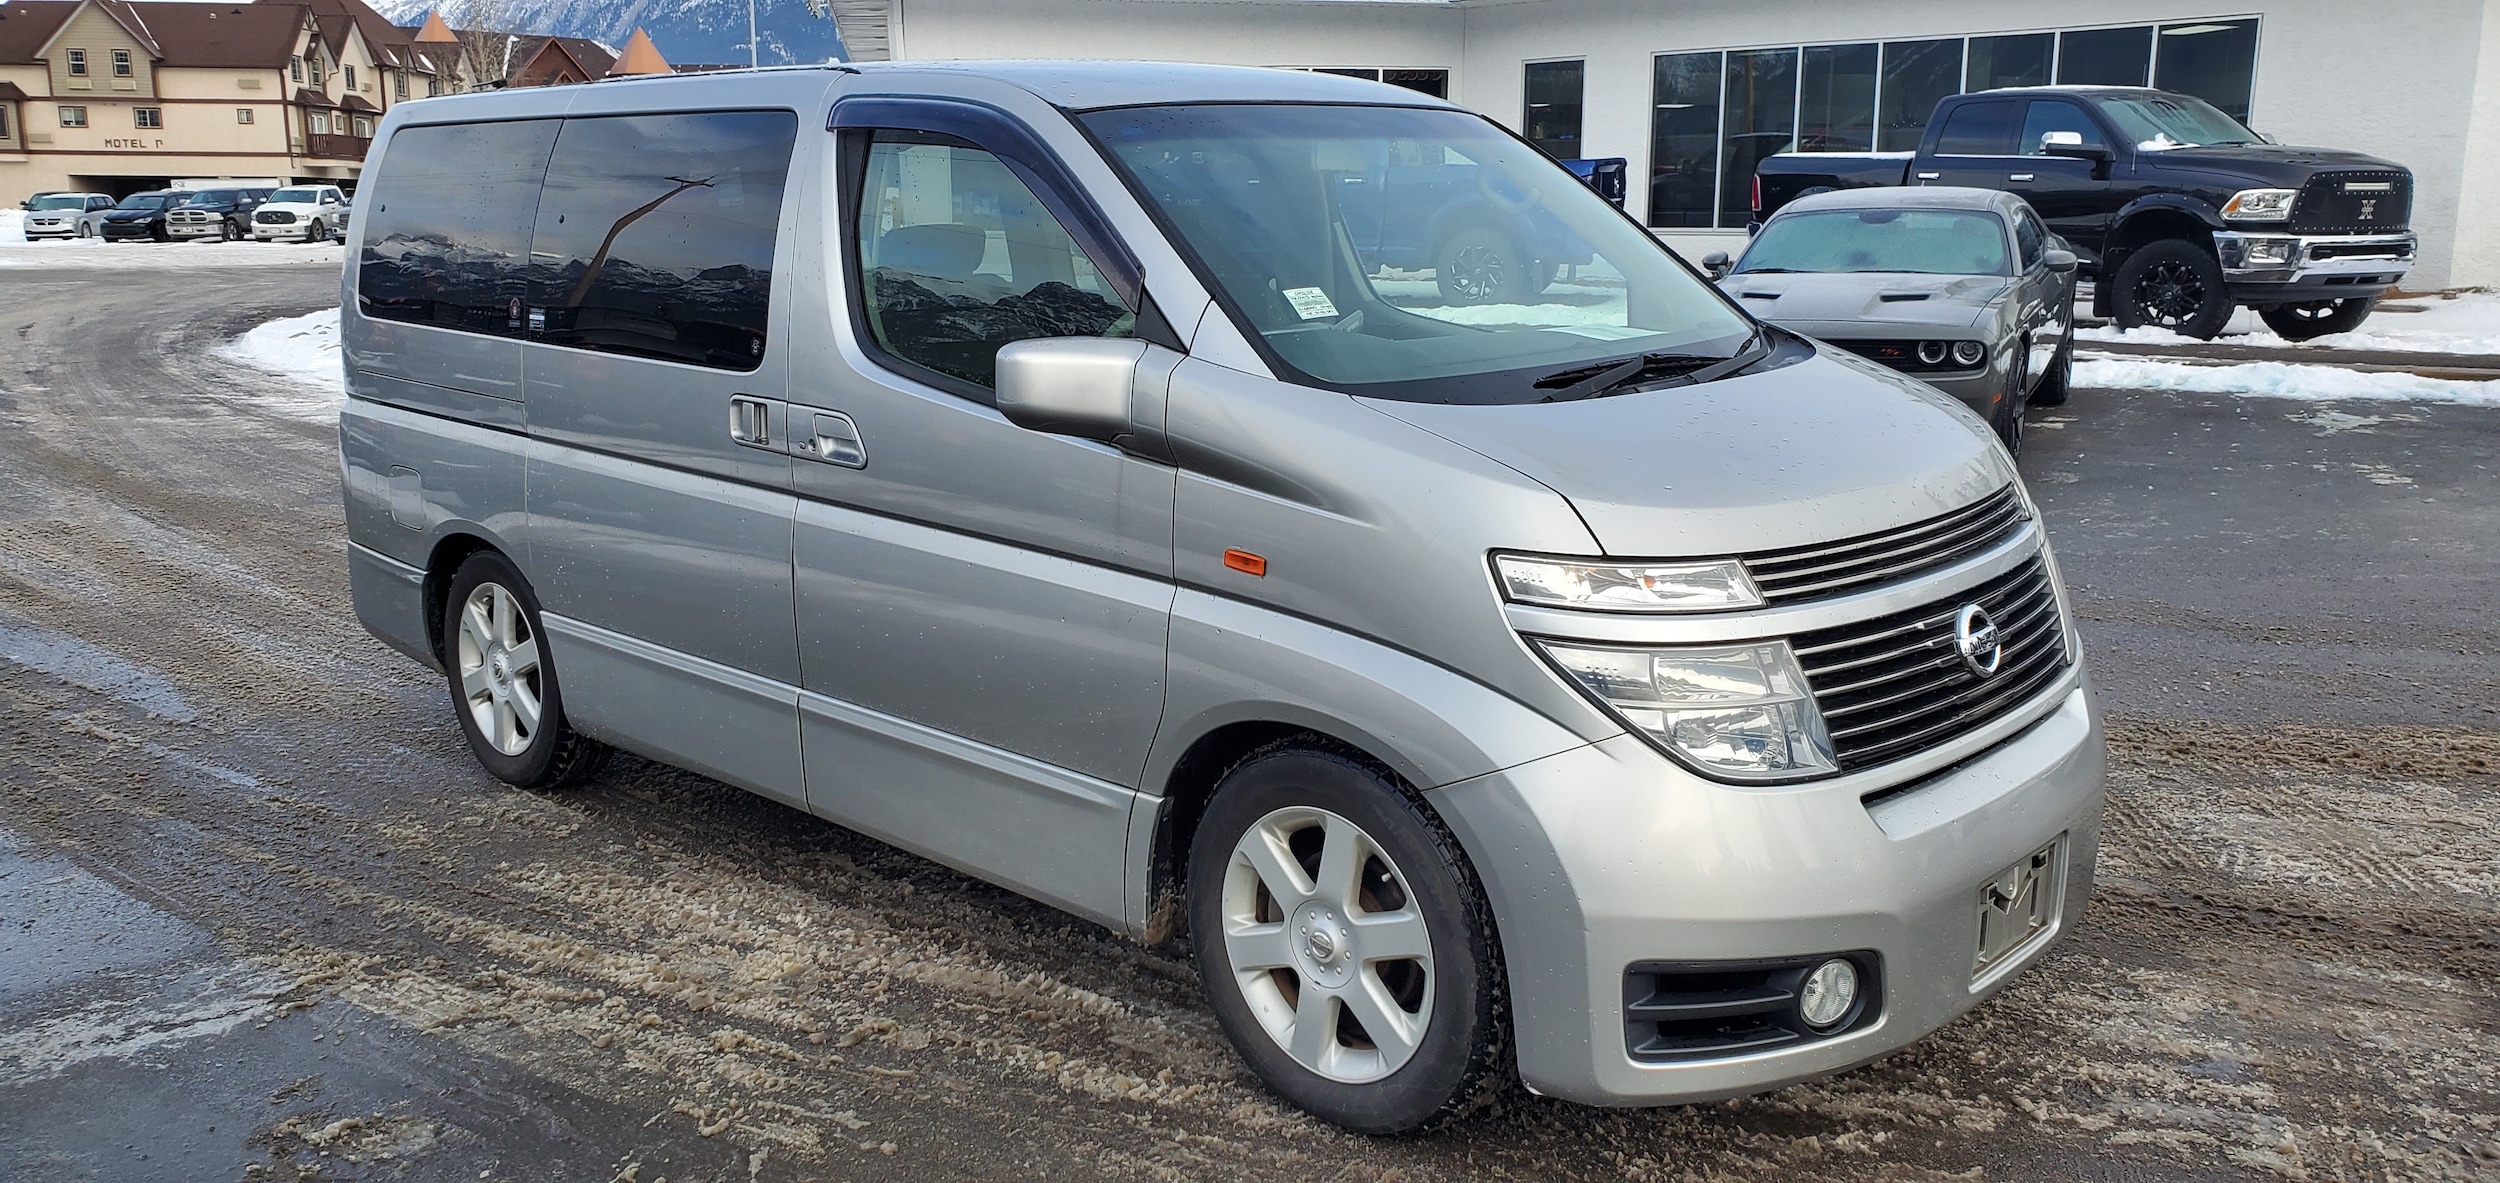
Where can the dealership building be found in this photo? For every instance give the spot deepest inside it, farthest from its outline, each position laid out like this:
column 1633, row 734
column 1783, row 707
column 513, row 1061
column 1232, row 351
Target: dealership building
column 1692, row 92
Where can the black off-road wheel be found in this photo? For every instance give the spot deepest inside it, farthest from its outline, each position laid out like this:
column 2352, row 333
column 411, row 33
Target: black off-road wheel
column 2317, row 318
column 1345, row 943
column 2173, row 284
column 503, row 680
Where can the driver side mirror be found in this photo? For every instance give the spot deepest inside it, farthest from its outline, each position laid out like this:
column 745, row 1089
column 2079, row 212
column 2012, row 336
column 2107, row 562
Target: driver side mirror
column 1717, row 263
column 2058, row 261
column 2070, row 145
column 1075, row 386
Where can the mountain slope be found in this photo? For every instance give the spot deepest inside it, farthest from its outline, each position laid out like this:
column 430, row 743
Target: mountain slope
column 688, row 32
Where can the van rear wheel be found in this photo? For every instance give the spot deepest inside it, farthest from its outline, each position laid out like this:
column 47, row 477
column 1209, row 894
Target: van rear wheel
column 503, row 680
column 1344, row 943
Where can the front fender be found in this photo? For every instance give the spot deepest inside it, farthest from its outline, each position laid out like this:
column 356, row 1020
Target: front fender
column 2172, row 203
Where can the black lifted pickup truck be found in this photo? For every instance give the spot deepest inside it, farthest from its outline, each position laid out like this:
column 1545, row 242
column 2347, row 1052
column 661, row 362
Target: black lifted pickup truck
column 2177, row 210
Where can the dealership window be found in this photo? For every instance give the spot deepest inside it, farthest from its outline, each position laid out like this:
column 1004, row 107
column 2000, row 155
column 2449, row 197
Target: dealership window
column 121, row 63
column 2022, row 59
column 1836, row 99
column 2214, row 60
column 1761, row 107
column 1432, row 82
column 147, row 117
column 1684, row 139
column 2105, row 57
column 1553, row 119
column 243, row 115
column 78, row 63
column 1915, row 75
column 73, row 117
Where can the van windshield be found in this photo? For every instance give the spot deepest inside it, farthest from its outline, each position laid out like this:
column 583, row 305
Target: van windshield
column 1413, row 254
column 70, row 201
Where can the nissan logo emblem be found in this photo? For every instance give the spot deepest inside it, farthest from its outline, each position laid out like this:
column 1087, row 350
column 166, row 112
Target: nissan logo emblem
column 1975, row 638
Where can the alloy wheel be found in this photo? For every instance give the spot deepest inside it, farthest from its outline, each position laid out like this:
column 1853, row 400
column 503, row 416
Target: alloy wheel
column 1327, row 944
column 1478, row 272
column 2169, row 294
column 501, row 683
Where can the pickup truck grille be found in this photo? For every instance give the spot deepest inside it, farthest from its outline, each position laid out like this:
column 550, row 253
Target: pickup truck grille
column 1832, row 568
column 274, row 217
column 1897, row 685
column 2360, row 202
column 190, row 216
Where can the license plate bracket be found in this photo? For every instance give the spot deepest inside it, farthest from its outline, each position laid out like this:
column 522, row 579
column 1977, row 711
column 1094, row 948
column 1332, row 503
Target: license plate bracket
column 2018, row 905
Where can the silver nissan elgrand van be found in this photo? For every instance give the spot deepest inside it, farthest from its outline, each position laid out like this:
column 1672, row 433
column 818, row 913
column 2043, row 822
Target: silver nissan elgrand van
column 1268, row 507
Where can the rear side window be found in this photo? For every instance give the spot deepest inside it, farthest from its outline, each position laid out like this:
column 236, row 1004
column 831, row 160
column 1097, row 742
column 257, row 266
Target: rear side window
column 449, row 230
column 655, row 235
column 2029, row 237
column 958, row 258
column 1977, row 129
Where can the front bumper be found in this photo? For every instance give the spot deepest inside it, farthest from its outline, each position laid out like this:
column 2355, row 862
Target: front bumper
column 36, row 229
column 1608, row 855
column 295, row 231
column 128, row 231
column 2266, row 269
column 195, row 229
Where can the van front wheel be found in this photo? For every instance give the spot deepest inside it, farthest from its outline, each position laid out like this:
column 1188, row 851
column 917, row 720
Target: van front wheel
column 1344, row 943
column 503, row 680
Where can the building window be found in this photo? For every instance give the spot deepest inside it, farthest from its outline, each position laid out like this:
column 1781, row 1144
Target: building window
column 1836, row 99
column 243, row 115
column 295, row 66
column 4, row 123
column 433, row 87
column 399, row 85
column 1432, row 82
column 2105, row 57
column 320, row 124
column 2023, row 59
column 1761, row 106
column 73, row 117
column 1683, row 139
column 1553, row 116
column 364, row 128
column 351, row 77
column 2214, row 60
column 1915, row 75
column 121, row 63
column 147, row 117
column 78, row 63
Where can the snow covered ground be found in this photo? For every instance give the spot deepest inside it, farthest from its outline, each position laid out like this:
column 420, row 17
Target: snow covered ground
column 2467, row 323
column 2274, row 379
column 16, row 251
column 303, row 351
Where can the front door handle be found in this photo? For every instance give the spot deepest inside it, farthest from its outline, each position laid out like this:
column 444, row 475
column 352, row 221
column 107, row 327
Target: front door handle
column 2019, row 177
column 833, row 439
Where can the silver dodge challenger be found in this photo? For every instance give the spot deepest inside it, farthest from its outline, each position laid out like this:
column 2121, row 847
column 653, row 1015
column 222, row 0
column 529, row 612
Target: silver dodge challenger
column 1963, row 289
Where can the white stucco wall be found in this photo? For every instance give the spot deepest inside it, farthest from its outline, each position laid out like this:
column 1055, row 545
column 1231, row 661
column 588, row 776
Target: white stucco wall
column 2417, row 81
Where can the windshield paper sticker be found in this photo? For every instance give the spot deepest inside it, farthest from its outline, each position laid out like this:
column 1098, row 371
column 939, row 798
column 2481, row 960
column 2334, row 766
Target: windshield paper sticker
column 1310, row 303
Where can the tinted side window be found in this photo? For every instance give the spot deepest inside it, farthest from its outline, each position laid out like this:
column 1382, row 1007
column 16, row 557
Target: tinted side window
column 1976, row 129
column 957, row 258
column 449, row 229
column 2030, row 237
column 655, row 236
column 2048, row 115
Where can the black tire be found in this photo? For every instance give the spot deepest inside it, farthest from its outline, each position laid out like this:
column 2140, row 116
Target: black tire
column 2059, row 381
column 317, row 232
column 1480, row 265
column 1462, row 1059
column 2008, row 419
column 554, row 755
column 2172, row 284
column 2317, row 318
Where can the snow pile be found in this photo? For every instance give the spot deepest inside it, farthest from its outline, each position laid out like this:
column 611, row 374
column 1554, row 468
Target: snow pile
column 2468, row 323
column 2273, row 379
column 97, row 254
column 305, row 351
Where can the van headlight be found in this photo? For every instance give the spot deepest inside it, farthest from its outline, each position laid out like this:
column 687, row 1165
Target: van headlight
column 1628, row 587
column 1736, row 712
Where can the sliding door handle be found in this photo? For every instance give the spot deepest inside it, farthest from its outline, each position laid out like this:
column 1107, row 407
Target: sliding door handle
column 832, row 438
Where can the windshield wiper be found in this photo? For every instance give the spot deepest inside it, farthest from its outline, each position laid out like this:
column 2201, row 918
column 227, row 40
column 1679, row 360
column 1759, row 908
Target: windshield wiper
column 1688, row 368
column 1767, row 271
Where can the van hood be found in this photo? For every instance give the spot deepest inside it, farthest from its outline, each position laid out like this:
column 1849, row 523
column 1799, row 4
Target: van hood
column 1829, row 448
column 1949, row 301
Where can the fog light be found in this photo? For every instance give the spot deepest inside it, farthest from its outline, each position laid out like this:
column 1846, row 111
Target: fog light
column 1931, row 352
column 1968, row 353
column 1828, row 993
column 2270, row 250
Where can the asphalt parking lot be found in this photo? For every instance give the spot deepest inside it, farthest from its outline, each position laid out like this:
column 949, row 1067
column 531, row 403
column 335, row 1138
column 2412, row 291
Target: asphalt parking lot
column 262, row 917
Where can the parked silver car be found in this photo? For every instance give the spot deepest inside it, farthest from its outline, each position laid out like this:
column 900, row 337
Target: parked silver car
column 1016, row 463
column 66, row 215
column 1964, row 289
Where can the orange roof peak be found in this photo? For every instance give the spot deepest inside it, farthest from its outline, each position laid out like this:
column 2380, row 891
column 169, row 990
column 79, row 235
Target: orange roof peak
column 436, row 32
column 640, row 57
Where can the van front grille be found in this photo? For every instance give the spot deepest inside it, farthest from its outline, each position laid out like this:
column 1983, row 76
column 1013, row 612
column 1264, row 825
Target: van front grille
column 1898, row 685
column 1832, row 568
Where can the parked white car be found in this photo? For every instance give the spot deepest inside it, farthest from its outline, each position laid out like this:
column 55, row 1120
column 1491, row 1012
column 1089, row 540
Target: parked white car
column 302, row 213
column 67, row 215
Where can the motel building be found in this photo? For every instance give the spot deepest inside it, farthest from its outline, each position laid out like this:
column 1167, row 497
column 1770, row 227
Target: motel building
column 115, row 97
column 1692, row 92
